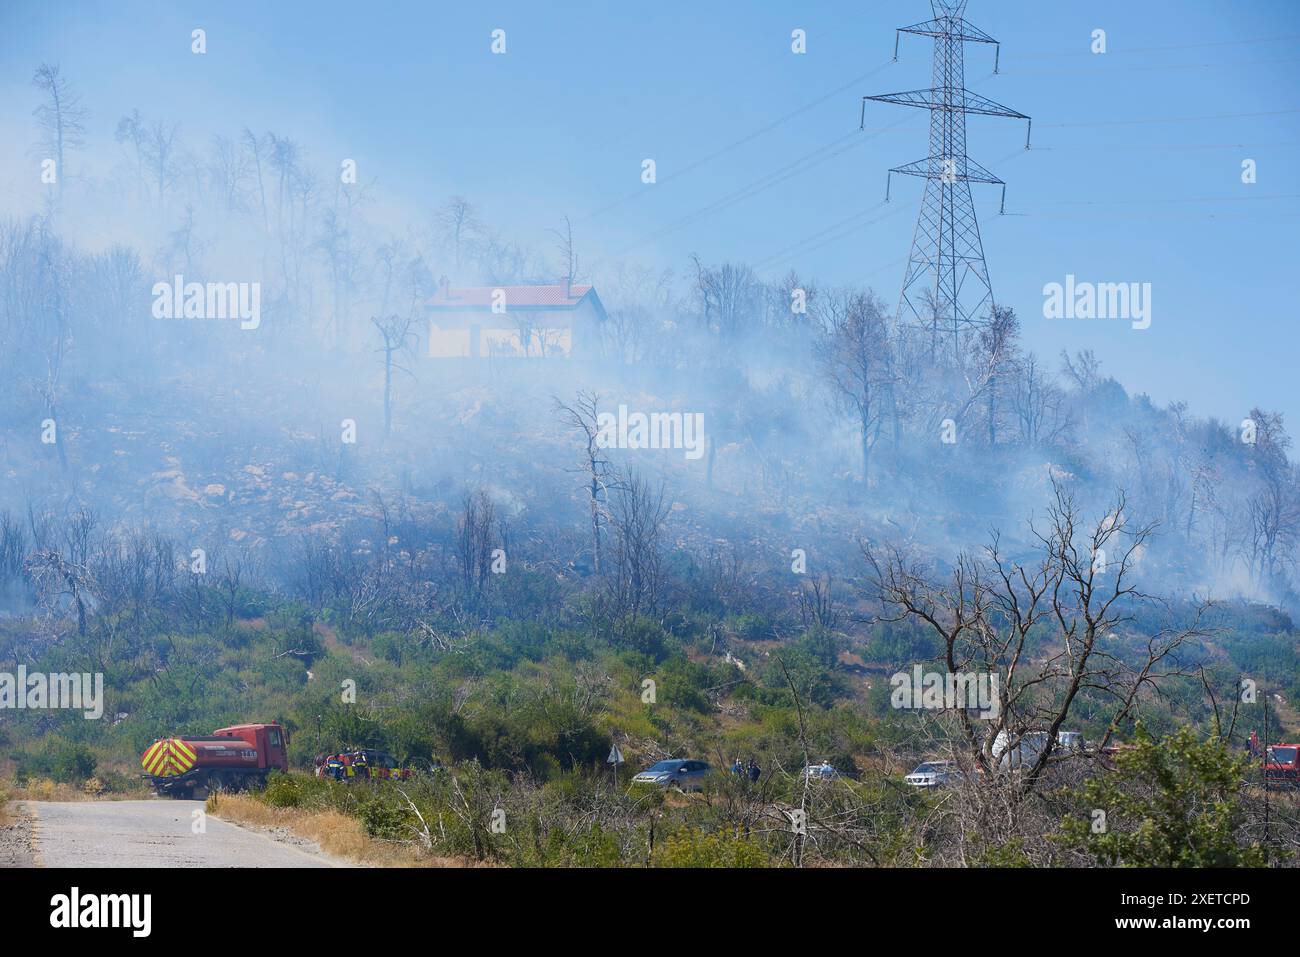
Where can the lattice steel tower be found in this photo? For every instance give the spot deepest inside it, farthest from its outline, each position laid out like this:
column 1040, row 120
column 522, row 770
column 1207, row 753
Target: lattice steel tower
column 946, row 288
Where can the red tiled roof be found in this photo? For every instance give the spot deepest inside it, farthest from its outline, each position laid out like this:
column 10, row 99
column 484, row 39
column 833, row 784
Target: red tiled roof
column 480, row 297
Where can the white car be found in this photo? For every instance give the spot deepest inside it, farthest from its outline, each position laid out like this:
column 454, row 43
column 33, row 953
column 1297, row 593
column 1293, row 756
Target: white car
column 821, row 772
column 933, row 774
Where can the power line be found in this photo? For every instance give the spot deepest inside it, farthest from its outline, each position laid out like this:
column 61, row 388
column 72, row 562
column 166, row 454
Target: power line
column 690, row 167
column 776, row 177
column 835, row 148
column 837, row 231
column 1174, row 147
column 1148, row 216
column 756, row 186
column 1165, row 200
column 790, row 170
column 781, row 254
column 791, row 252
column 1107, row 69
column 1180, row 46
column 1168, row 119
column 799, row 166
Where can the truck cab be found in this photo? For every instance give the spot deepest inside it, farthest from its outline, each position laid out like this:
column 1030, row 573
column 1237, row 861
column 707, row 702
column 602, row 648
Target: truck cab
column 1282, row 764
column 270, row 741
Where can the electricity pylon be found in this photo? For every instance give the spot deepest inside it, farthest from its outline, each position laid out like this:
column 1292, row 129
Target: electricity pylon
column 946, row 289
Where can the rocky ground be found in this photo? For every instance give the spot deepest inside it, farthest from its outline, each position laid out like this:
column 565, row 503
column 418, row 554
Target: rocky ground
column 16, row 837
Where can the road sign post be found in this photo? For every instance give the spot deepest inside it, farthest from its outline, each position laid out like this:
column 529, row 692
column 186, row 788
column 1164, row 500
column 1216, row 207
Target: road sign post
column 615, row 759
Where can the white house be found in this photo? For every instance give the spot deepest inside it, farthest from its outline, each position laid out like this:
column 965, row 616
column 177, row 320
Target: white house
column 532, row 320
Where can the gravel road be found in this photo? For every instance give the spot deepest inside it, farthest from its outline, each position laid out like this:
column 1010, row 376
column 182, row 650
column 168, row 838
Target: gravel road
column 154, row 834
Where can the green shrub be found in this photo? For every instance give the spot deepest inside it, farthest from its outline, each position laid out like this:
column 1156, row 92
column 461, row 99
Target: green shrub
column 74, row 763
column 693, row 848
column 115, row 782
column 64, row 763
column 752, row 627
column 384, row 821
column 28, row 766
column 282, row 790
column 1175, row 802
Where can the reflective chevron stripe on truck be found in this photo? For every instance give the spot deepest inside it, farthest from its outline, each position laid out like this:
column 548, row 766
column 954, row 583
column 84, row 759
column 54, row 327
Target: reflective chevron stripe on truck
column 170, row 757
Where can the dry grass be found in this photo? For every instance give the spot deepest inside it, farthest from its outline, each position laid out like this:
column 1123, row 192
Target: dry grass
column 43, row 789
column 334, row 833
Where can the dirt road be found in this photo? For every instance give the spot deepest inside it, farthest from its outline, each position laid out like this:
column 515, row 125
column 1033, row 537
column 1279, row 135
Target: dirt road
column 157, row 833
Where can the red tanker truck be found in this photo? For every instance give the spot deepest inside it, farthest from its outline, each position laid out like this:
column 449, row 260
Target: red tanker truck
column 1281, row 764
column 230, row 759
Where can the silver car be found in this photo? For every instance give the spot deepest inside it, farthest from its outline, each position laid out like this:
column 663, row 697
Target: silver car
column 681, row 773
column 933, row 774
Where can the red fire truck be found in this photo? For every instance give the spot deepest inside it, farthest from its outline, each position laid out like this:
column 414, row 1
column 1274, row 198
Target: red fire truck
column 1281, row 763
column 229, row 759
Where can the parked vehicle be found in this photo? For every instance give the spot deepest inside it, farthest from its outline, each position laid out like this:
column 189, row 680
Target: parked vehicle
column 1070, row 740
column 681, row 773
column 933, row 774
column 230, row 759
column 365, row 764
column 1012, row 751
column 1281, row 762
column 821, row 772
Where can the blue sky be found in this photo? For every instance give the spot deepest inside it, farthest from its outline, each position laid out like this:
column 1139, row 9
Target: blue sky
column 1135, row 173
